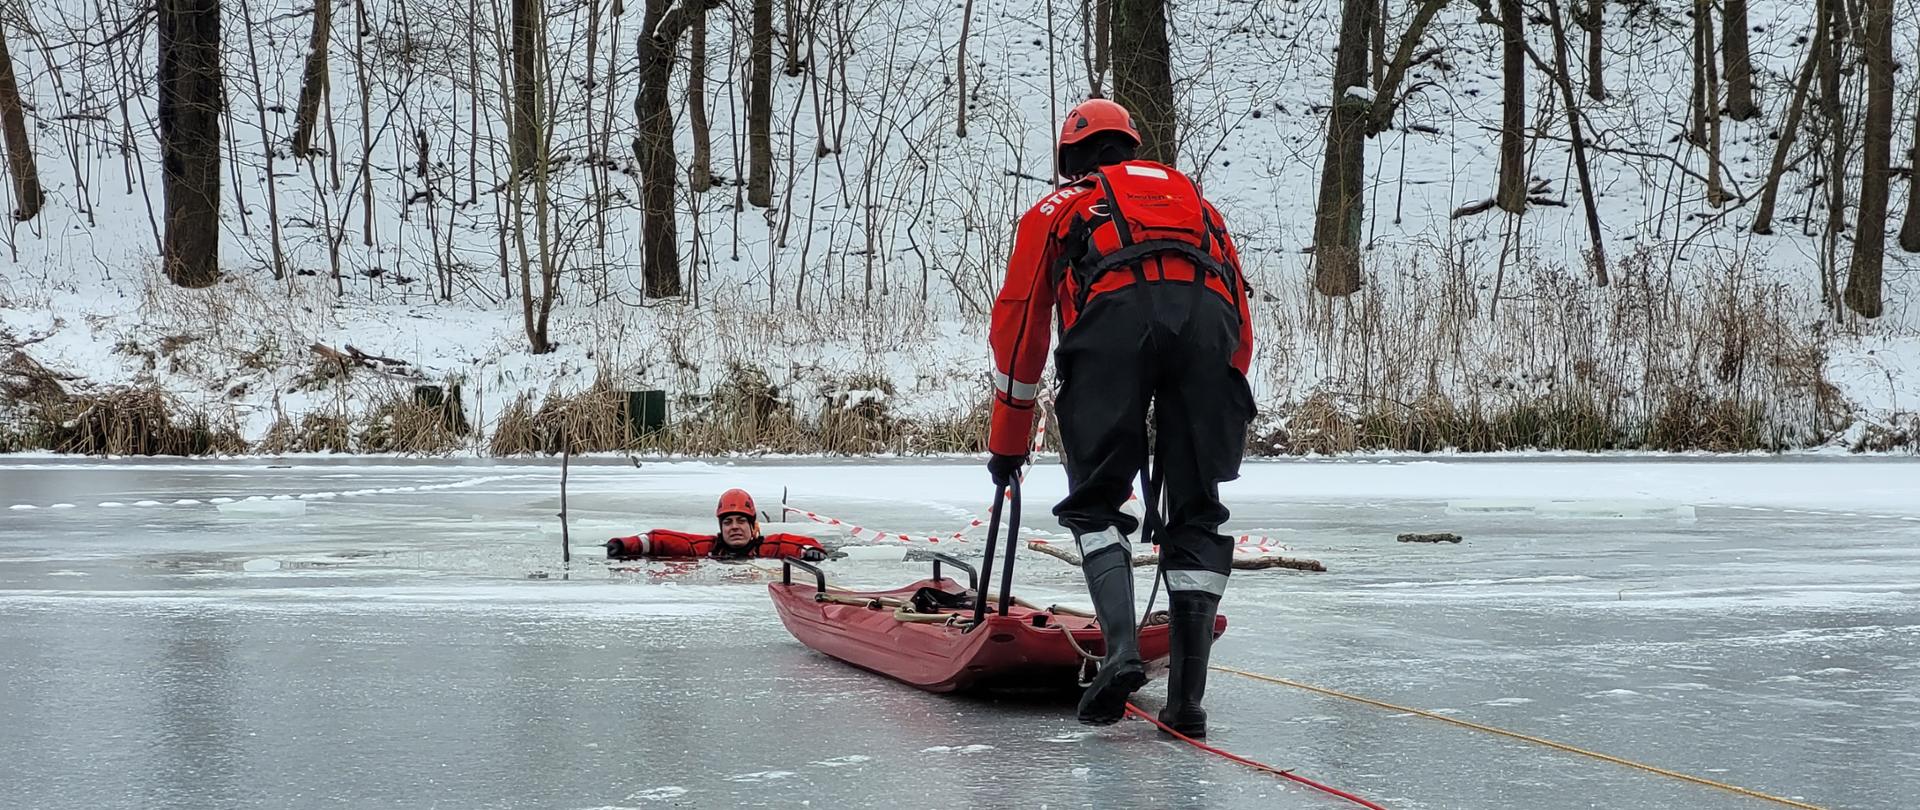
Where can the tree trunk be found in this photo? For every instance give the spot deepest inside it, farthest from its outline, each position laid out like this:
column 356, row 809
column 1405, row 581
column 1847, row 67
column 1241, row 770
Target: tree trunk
column 189, row 113
column 1512, row 197
column 1697, row 101
column 1093, row 27
column 700, row 174
column 270, row 153
column 1596, row 23
column 1740, row 102
column 660, row 34
column 1143, row 75
column 794, row 65
column 960, row 69
column 1337, row 222
column 1102, row 38
column 1386, row 96
column 1831, row 65
column 524, row 131
column 1910, row 226
column 1770, row 194
column 1716, row 195
column 760, row 105
column 313, row 83
column 1870, row 237
column 1379, row 45
column 364, row 33
column 1562, row 76
column 21, row 165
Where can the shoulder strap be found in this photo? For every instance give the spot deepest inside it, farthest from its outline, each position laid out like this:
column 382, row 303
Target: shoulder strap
column 1113, row 208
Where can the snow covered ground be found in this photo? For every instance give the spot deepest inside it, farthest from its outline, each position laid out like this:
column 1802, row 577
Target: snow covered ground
column 396, row 633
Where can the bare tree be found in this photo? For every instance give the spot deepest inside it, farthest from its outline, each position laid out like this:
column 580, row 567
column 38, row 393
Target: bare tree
column 1562, row 77
column 21, row 165
column 1910, row 225
column 1512, row 196
column 313, row 83
column 1143, row 75
column 1833, row 17
column 363, row 32
column 960, row 69
column 795, row 64
column 760, row 103
column 1594, row 20
column 1702, row 59
column 1387, row 95
column 1870, row 237
column 1094, row 26
column 530, row 130
column 1378, row 45
column 1789, row 132
column 1357, row 114
column 661, row 30
column 270, row 150
column 189, row 112
column 700, row 173
column 524, row 131
column 1740, row 103
column 1337, row 222
column 1710, row 103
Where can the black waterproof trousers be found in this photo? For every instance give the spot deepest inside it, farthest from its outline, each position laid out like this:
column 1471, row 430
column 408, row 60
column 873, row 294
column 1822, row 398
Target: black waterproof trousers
column 1171, row 345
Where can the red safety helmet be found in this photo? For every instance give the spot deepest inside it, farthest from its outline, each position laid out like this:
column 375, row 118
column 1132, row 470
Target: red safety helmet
column 1094, row 116
column 737, row 502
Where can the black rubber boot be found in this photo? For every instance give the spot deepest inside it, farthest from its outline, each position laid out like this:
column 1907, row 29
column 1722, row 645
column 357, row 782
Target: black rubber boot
column 1191, row 616
column 1110, row 582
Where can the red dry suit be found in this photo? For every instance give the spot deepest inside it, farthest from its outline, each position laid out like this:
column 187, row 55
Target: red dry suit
column 666, row 543
column 1071, row 249
column 1154, row 326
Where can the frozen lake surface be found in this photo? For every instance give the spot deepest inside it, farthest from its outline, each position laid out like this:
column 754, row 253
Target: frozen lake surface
column 402, row 634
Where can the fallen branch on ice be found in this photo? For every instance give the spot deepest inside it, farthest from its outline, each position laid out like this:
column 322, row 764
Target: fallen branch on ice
column 1239, row 563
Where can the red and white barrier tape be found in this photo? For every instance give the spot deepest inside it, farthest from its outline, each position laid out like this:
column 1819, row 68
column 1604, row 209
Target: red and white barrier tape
column 1246, row 544
column 885, row 536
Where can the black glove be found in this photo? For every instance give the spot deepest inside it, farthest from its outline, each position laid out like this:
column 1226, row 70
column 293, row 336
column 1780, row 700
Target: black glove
column 1003, row 468
column 813, row 554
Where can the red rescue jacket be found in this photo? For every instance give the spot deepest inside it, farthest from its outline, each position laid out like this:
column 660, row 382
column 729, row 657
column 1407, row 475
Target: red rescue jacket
column 666, row 543
column 1125, row 224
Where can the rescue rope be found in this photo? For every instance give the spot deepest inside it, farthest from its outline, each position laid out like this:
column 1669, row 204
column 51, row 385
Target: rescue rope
column 1256, row 765
column 1380, row 704
column 905, row 611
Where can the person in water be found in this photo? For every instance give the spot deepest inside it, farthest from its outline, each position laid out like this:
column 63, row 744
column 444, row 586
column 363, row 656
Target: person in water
column 739, row 538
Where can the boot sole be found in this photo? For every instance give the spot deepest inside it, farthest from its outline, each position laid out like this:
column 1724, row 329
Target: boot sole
column 1106, row 703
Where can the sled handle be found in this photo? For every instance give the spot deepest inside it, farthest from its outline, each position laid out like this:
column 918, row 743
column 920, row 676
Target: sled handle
column 993, row 539
column 1013, row 542
column 786, row 573
column 1000, row 498
column 973, row 577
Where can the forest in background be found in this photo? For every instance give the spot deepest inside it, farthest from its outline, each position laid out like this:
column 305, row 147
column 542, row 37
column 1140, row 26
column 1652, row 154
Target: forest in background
column 1476, row 224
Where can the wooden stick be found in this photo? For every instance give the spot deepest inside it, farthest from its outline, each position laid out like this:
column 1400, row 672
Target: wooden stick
column 566, row 545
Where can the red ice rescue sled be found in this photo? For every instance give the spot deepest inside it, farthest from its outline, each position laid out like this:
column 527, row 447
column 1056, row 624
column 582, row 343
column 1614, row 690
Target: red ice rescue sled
column 942, row 637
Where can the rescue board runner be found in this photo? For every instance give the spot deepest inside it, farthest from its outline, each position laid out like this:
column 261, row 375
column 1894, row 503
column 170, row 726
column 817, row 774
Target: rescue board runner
column 739, row 538
column 1152, row 312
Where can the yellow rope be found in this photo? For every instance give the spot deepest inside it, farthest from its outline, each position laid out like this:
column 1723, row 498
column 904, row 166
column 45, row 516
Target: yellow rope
column 1518, row 736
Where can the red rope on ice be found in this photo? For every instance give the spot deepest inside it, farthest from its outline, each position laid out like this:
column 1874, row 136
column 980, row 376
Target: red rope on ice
column 1258, row 766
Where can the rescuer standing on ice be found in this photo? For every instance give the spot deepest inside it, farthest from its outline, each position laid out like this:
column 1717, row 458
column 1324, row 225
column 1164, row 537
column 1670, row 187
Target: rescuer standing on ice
column 1153, row 309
